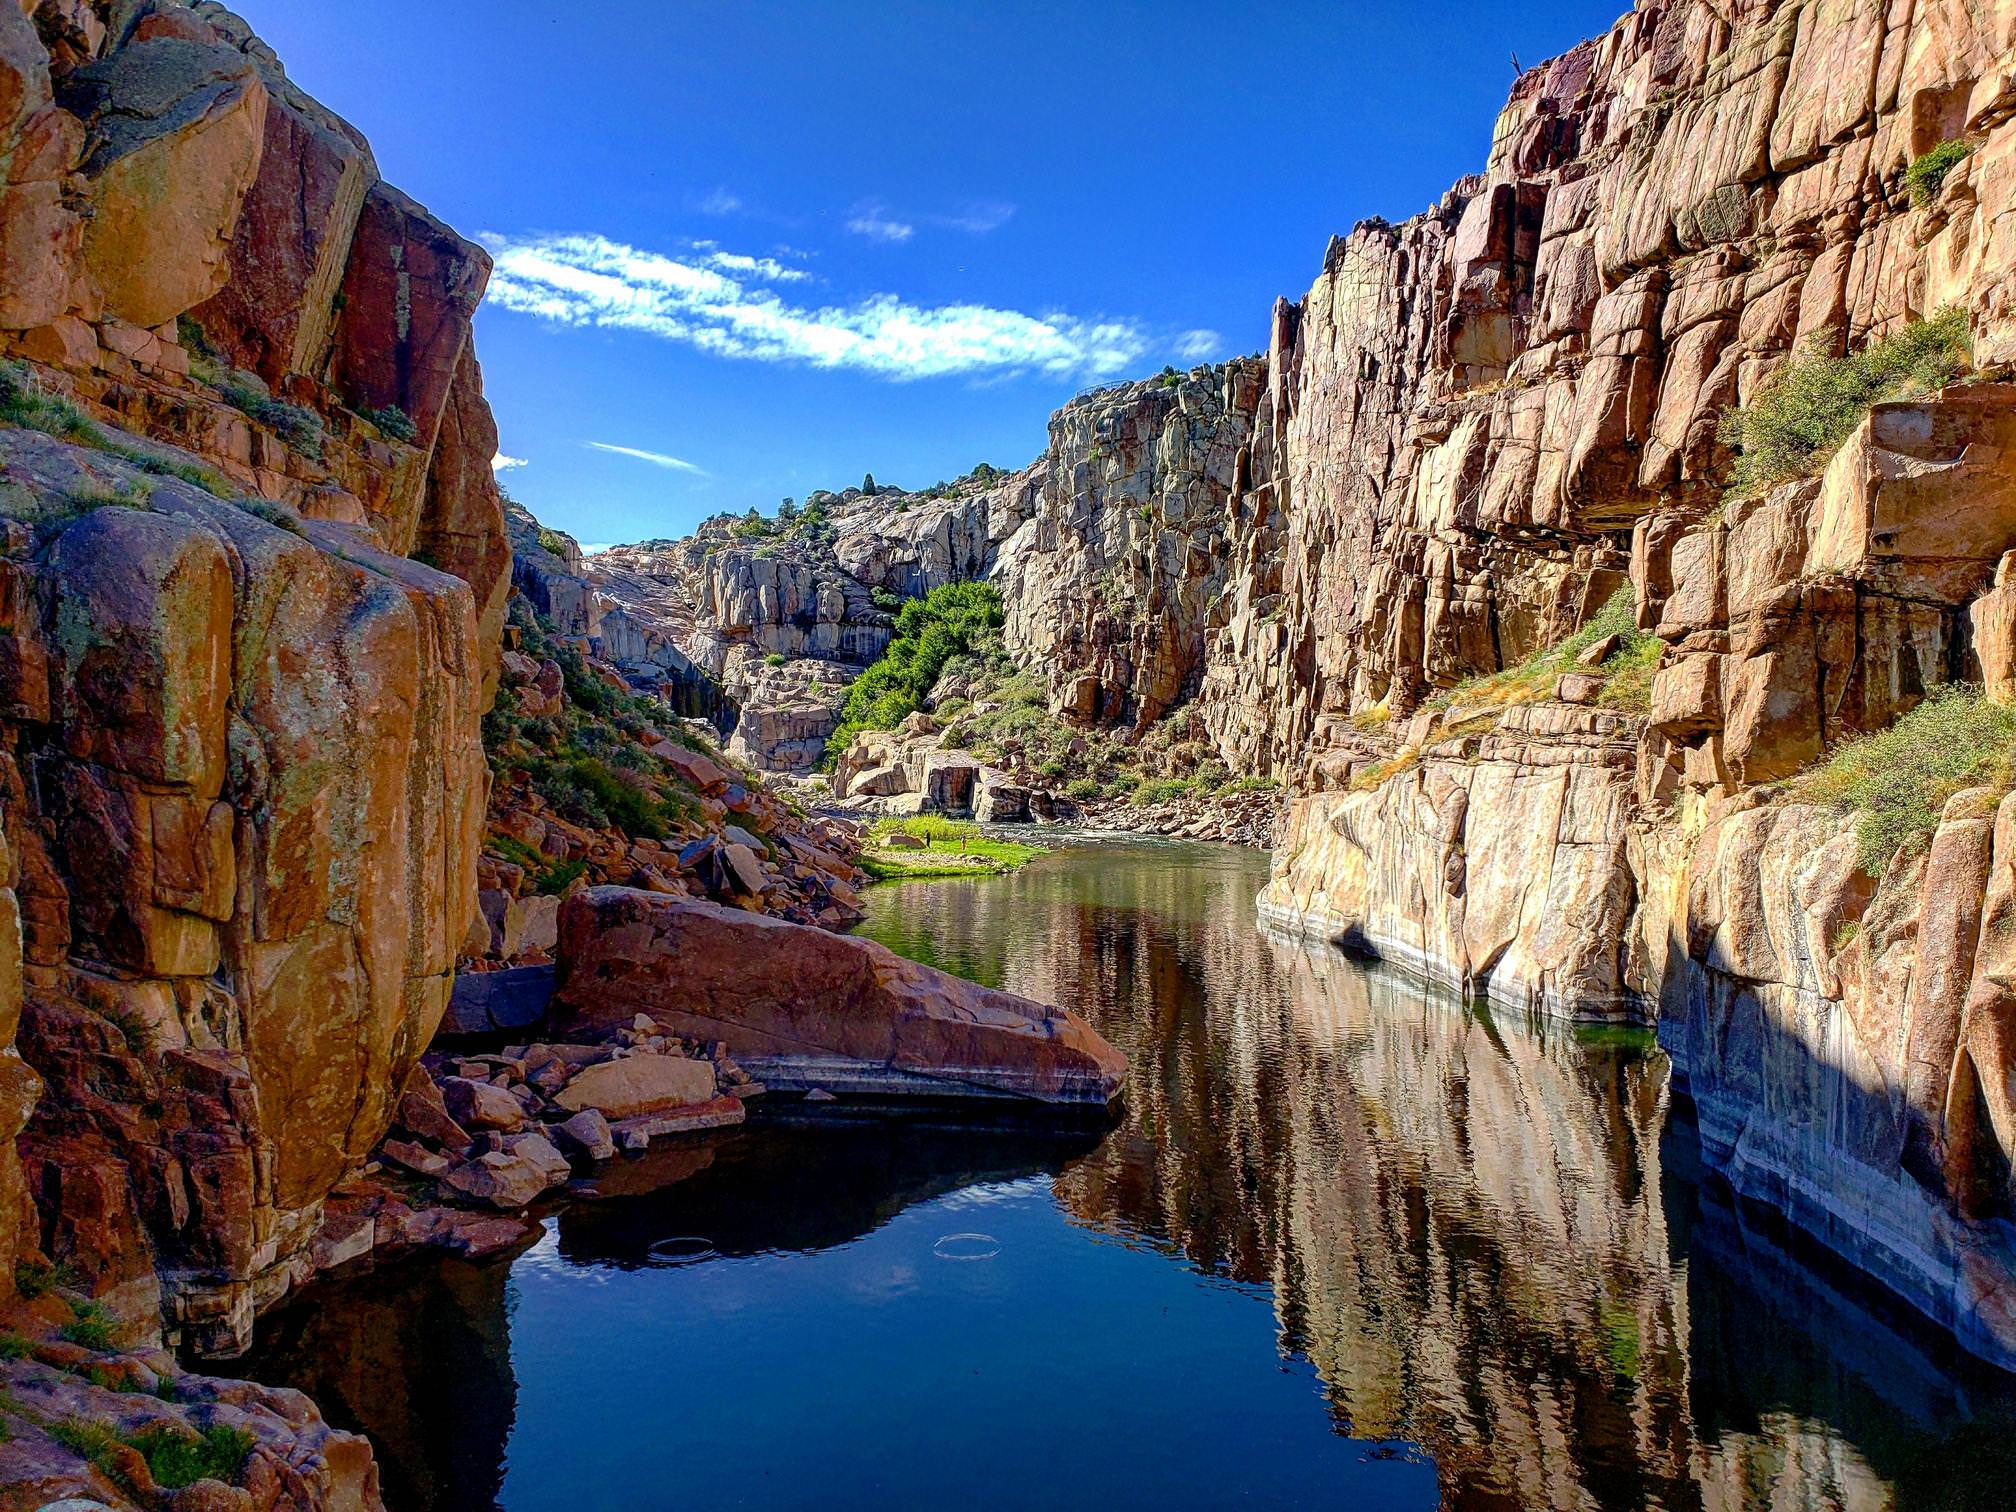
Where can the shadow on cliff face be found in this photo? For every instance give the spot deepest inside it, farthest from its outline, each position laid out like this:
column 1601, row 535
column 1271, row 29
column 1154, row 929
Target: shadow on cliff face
column 1793, row 1355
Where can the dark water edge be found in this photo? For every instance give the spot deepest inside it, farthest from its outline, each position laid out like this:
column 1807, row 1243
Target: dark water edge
column 1351, row 1243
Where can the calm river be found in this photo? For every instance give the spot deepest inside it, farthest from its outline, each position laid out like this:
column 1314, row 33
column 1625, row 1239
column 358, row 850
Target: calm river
column 1352, row 1245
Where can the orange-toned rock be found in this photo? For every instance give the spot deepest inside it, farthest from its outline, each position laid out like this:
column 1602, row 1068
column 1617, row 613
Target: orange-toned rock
column 639, row 1084
column 806, row 1008
column 39, row 233
column 260, row 804
column 276, row 311
column 461, row 527
column 409, row 291
column 174, row 134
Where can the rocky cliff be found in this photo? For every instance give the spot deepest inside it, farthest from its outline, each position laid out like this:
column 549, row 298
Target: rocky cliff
column 1487, row 423
column 1563, row 670
column 255, row 570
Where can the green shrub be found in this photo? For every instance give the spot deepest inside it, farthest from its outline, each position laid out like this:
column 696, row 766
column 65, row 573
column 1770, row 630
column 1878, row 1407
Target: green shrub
column 552, row 541
column 177, row 1458
column 1814, row 402
column 1082, row 789
column 557, row 878
column 1899, row 778
column 394, row 422
column 33, row 1279
column 299, row 427
column 13, row 1346
column 1252, row 785
column 951, row 620
column 90, row 1325
column 885, row 599
column 1162, row 790
column 774, row 659
column 1928, row 171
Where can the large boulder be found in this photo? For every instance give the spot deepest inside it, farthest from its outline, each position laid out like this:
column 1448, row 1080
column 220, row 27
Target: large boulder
column 806, row 1008
column 639, row 1084
column 175, row 130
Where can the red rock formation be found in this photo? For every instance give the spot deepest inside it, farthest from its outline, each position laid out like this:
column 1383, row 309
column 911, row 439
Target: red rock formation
column 244, row 647
column 804, row 1008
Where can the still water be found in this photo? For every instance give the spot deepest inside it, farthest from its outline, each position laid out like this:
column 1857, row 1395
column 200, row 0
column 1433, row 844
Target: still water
column 1351, row 1245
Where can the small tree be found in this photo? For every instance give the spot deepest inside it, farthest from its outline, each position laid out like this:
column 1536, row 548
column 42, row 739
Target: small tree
column 868, row 484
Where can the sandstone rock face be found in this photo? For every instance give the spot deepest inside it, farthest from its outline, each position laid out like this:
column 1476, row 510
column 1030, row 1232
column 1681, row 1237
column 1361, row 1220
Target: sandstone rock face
column 1111, row 583
column 1498, row 867
column 258, row 891
column 242, row 784
column 174, row 134
column 805, row 1008
column 1482, row 424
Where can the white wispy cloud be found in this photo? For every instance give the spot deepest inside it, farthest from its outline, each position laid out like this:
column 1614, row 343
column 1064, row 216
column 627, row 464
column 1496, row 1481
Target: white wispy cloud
column 977, row 219
column 501, row 463
column 733, row 311
column 871, row 219
column 767, row 269
column 1195, row 346
column 720, row 202
column 656, row 459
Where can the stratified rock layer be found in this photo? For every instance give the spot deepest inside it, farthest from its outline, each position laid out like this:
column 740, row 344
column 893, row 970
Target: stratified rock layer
column 804, row 1008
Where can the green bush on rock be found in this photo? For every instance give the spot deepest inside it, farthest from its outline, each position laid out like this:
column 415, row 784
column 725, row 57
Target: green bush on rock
column 1803, row 413
column 1898, row 779
column 951, row 620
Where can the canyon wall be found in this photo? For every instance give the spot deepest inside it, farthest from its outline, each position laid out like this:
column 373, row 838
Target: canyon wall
column 254, row 569
column 1483, row 424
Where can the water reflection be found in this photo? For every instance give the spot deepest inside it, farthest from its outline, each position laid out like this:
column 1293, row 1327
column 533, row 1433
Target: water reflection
column 1489, row 1237
column 1495, row 1276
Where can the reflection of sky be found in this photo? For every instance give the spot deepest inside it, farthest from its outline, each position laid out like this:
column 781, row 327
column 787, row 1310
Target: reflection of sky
column 1061, row 1372
column 1334, row 1205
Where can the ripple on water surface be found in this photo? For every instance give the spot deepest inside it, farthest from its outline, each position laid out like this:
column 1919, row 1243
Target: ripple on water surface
column 1350, row 1244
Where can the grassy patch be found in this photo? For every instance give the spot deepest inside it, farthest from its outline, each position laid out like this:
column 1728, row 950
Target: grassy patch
column 22, row 403
column 1928, row 171
column 1382, row 772
column 1814, row 402
column 952, row 848
column 177, row 1459
column 1899, row 779
column 90, row 1326
column 92, row 1441
column 1630, row 665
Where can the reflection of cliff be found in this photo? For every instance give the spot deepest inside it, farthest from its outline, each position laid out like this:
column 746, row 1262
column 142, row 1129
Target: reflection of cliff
column 418, row 1358
column 1462, row 1222
column 1476, row 1230
column 805, row 1187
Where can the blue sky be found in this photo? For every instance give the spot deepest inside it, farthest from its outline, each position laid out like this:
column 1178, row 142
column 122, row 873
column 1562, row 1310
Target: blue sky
column 752, row 249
